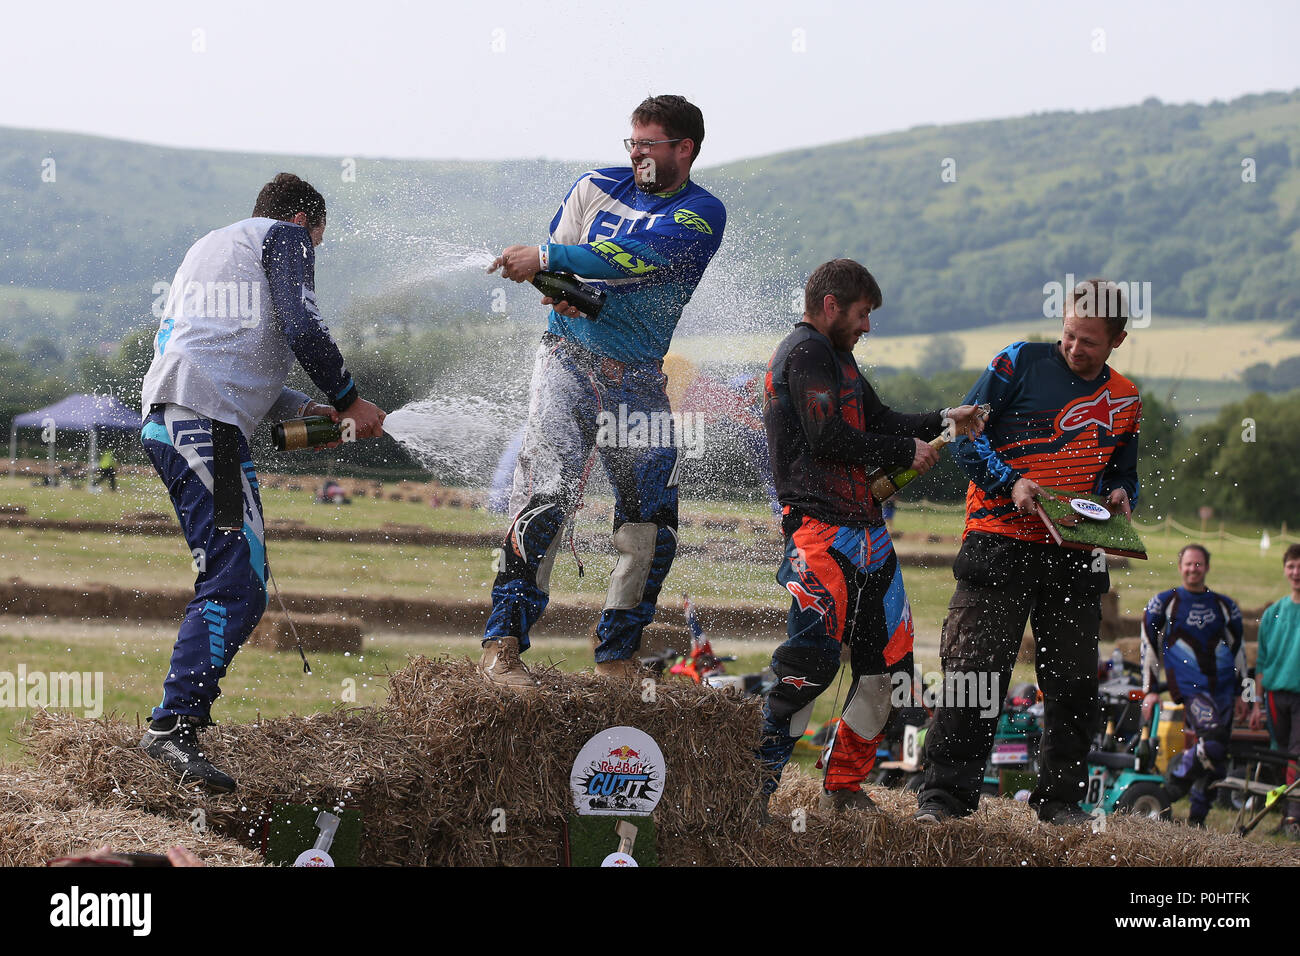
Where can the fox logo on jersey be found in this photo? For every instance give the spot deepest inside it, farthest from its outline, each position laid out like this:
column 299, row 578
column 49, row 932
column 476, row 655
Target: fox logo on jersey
column 1093, row 411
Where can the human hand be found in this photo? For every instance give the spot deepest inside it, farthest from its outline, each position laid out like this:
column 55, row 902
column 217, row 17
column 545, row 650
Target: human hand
column 367, row 419
column 925, row 457
column 328, row 411
column 562, row 307
column 1118, row 499
column 1148, row 704
column 967, row 420
column 518, row 263
column 180, row 856
column 1256, row 718
column 1023, row 494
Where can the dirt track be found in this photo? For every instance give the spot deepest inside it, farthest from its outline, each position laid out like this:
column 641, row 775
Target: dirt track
column 109, row 602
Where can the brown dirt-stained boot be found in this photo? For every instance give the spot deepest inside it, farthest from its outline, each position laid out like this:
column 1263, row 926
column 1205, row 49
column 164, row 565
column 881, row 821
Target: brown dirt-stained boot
column 841, row 800
column 501, row 665
column 624, row 669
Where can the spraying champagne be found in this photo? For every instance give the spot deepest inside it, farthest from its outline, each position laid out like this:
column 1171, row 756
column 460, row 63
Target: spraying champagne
column 884, row 484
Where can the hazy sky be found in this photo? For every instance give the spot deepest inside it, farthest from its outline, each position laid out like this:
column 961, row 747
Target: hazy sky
column 558, row 80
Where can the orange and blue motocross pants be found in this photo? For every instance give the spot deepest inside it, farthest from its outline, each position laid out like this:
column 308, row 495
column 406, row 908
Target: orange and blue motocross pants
column 847, row 592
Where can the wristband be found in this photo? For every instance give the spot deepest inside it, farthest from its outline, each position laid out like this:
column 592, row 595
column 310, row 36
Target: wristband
column 544, row 255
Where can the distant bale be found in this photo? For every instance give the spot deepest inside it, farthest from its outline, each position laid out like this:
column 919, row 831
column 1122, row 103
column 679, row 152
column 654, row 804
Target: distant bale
column 318, row 632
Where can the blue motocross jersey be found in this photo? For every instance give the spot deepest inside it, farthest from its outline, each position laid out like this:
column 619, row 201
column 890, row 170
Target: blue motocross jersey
column 1197, row 636
column 648, row 252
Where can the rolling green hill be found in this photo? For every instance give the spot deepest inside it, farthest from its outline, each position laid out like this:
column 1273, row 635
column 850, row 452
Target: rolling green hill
column 962, row 224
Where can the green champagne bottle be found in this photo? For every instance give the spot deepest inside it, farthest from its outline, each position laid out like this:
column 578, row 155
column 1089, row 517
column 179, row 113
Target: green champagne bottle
column 566, row 287
column 310, row 432
column 884, row 484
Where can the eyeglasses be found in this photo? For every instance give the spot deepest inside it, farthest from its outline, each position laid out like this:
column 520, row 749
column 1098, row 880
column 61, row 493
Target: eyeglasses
column 647, row 144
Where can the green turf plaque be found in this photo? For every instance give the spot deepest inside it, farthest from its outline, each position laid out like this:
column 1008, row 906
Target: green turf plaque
column 1087, row 522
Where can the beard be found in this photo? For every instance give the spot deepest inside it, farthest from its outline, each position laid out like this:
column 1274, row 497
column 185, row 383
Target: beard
column 652, row 177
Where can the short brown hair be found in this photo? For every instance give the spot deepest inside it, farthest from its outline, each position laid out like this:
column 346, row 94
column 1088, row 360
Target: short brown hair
column 1099, row 299
column 285, row 196
column 845, row 279
column 1194, row 547
column 680, row 118
column 1292, row 553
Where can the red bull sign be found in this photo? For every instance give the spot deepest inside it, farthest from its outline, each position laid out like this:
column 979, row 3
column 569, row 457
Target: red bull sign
column 618, row 772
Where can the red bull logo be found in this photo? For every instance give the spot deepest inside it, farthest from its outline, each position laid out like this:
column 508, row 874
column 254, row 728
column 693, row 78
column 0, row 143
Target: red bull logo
column 624, row 753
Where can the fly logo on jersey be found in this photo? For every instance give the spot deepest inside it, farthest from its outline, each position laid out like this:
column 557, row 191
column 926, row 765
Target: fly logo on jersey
column 619, row 256
column 1098, row 411
column 691, row 220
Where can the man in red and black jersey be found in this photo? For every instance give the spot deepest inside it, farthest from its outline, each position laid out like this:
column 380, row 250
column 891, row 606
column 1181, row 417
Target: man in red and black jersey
column 827, row 431
column 1061, row 417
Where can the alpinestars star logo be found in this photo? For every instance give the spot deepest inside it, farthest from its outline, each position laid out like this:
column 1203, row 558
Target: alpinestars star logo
column 805, row 597
column 1093, row 411
column 798, row 683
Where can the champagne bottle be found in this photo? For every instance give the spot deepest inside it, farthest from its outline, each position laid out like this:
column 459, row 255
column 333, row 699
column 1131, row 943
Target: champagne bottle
column 566, row 287
column 310, row 432
column 884, row 484
column 1142, row 754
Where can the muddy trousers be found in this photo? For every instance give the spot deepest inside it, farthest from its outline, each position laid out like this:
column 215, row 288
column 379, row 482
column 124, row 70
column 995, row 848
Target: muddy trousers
column 582, row 405
column 847, row 591
column 1001, row 585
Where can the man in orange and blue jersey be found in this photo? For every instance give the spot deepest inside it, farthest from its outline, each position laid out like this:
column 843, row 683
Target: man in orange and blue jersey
column 827, row 432
column 1061, row 418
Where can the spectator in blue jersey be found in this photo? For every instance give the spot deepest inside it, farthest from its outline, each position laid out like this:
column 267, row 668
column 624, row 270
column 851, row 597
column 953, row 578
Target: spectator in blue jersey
column 1195, row 634
column 240, row 310
column 644, row 233
column 1277, row 673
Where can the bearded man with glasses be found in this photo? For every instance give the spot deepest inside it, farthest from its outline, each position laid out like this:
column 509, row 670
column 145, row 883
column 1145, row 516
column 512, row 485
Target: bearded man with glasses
column 644, row 234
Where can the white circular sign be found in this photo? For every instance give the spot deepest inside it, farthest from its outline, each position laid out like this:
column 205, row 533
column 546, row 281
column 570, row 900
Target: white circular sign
column 618, row 859
column 1090, row 509
column 313, row 858
column 618, row 772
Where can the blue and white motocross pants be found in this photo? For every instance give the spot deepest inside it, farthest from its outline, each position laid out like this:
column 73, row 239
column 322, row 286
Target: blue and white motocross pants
column 230, row 590
column 582, row 404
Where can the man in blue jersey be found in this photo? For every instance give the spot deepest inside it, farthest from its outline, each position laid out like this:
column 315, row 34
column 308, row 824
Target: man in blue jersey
column 1196, row 635
column 240, row 310
column 644, row 234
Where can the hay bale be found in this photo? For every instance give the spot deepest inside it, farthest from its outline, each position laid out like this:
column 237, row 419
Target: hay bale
column 1001, row 833
column 41, row 820
column 318, row 632
column 13, row 510
column 428, row 769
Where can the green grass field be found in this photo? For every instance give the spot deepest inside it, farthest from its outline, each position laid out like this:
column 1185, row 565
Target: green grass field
column 132, row 658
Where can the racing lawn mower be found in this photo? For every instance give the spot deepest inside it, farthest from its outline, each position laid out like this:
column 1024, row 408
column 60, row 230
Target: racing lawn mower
column 1122, row 775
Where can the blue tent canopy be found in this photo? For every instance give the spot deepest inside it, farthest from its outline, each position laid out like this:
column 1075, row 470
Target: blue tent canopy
column 82, row 413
